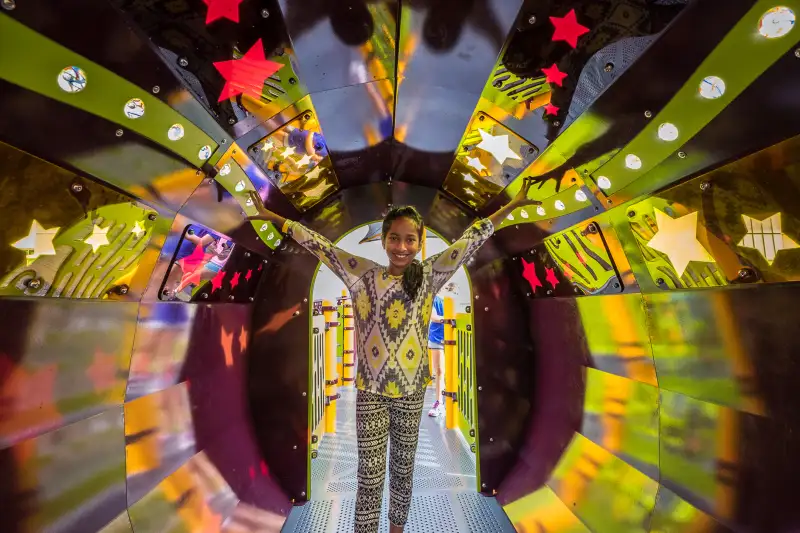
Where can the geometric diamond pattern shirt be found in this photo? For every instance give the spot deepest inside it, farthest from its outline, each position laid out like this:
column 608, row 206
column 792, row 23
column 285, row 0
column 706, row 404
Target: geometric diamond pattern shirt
column 391, row 329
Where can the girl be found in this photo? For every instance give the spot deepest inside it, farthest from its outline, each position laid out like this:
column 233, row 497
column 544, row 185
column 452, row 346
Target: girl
column 392, row 313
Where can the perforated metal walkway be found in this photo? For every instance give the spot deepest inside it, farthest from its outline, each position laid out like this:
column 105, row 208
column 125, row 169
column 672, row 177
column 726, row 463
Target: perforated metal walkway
column 444, row 499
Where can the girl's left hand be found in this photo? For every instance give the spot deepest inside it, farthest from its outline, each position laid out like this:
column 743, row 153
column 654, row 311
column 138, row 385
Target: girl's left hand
column 521, row 199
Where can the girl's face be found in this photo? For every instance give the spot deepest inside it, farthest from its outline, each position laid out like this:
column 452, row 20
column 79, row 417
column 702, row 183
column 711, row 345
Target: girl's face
column 402, row 243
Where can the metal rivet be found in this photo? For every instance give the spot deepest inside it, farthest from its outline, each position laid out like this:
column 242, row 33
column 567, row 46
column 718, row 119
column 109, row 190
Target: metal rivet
column 549, row 292
column 485, row 308
column 230, row 297
column 491, row 439
column 682, row 155
column 35, row 284
column 480, row 387
column 705, row 186
column 231, row 121
column 205, row 296
column 477, row 296
column 224, row 141
column 292, row 81
column 296, row 313
column 251, row 299
column 8, row 5
column 648, row 114
column 77, row 187
column 557, row 123
column 303, row 494
column 265, row 13
column 305, row 300
column 183, row 62
column 483, row 485
column 532, row 19
column 660, row 281
column 481, row 117
column 123, row 289
column 156, row 89
column 797, row 53
column 631, row 214
column 247, row 254
column 307, row 116
column 152, row 216
column 294, row 447
column 119, row 133
column 529, row 295
column 304, row 395
column 609, row 67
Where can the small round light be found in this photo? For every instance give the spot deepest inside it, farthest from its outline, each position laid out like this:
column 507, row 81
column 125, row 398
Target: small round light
column 249, row 202
column 510, row 216
column 278, row 242
column 603, row 182
column 72, row 79
column 540, row 211
column 560, row 205
column 264, row 227
column 204, row 153
column 523, row 213
column 225, row 170
column 175, row 132
column 667, row 132
column 712, row 87
column 580, row 195
column 776, row 22
column 134, row 108
column 633, row 162
column 239, row 186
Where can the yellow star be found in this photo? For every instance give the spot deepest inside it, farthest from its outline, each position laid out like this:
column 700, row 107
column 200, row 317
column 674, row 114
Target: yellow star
column 314, row 174
column 289, row 151
column 677, row 239
column 766, row 236
column 137, row 229
column 317, row 191
column 98, row 238
column 497, row 145
column 468, row 178
column 39, row 241
column 304, row 161
column 469, row 192
column 475, row 163
column 267, row 146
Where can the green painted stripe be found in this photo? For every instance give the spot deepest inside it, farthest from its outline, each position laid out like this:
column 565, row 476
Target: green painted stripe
column 739, row 59
column 39, row 63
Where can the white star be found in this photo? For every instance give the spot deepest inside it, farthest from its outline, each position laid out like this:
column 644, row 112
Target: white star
column 98, row 238
column 39, row 241
column 267, row 146
column 677, row 239
column 470, row 192
column 317, row 191
column 314, row 174
column 137, row 229
column 289, row 151
column 468, row 178
column 305, row 160
column 766, row 236
column 475, row 163
column 497, row 146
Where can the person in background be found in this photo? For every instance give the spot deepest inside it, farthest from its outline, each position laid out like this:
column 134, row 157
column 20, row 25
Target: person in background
column 436, row 345
column 392, row 308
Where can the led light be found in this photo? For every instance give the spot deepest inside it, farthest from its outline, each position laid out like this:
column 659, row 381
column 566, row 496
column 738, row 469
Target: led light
column 712, row 87
column 540, row 211
column 204, row 153
column 510, row 216
column 271, row 236
column 560, row 205
column 633, row 162
column 580, row 196
column 225, row 170
column 72, row 79
column 667, row 132
column 603, row 182
column 523, row 213
column 278, row 242
column 264, row 227
column 239, row 186
column 134, row 108
column 776, row 22
column 175, row 132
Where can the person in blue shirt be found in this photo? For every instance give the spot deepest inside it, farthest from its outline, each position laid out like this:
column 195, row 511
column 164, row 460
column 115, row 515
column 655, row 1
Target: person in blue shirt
column 436, row 345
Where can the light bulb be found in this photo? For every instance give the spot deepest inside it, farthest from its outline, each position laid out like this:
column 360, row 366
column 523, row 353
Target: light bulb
column 633, row 162
column 603, row 182
column 667, row 132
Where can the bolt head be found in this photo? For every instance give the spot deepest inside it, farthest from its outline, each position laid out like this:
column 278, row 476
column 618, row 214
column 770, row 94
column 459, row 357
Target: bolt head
column 480, row 387
column 77, row 187
column 557, row 123
column 648, row 114
column 532, row 19
column 609, row 67
column 183, row 62
column 152, row 216
column 631, row 214
column 292, row 81
column 797, row 53
column 294, row 447
column 303, row 494
column 682, row 155
column 265, row 13
column 231, row 121
column 705, row 186
column 119, row 133
column 205, row 296
column 304, row 395
column 156, row 89
column 8, row 5
column 35, row 284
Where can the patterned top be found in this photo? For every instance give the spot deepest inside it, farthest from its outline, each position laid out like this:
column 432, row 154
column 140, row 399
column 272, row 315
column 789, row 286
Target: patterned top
column 391, row 329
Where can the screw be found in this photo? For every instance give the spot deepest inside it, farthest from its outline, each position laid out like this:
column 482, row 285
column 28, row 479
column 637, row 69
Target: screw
column 497, row 83
column 251, row 299
column 531, row 149
column 485, row 308
column 307, row 116
column 483, row 485
column 616, row 285
column 123, row 289
column 152, row 216
column 660, row 281
column 682, row 155
column 305, row 300
column 746, row 273
column 304, row 395
column 296, row 313
column 609, row 67
column 631, row 214
column 648, row 114
column 119, row 133
column 480, row 388
column 265, row 13
column 224, row 141
column 230, row 297
column 477, row 296
column 705, row 186
column 491, row 439
column 557, row 123
column 592, row 228
column 797, row 53
column 529, row 295
column 231, row 121
column 303, row 494
column 292, row 81
column 156, row 89
column 205, row 296
column 8, row 5
column 183, row 62
column 532, row 19
column 35, row 284
column 247, row 254
column 549, row 292
column 77, row 187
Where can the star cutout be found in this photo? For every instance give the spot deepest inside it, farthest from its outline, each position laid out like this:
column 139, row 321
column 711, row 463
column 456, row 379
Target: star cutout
column 246, row 75
column 226, row 342
column 218, row 9
column 551, row 277
column 317, row 191
column 469, row 192
column 216, row 281
column 249, row 274
column 529, row 273
column 568, row 29
column 314, row 174
column 289, row 151
column 243, row 340
column 475, row 163
column 766, row 236
column 497, row 146
column 39, row 241
column 468, row 178
column 267, row 146
column 235, row 280
column 137, row 230
column 677, row 239
column 304, row 161
column 550, row 109
column 554, row 75
column 98, row 238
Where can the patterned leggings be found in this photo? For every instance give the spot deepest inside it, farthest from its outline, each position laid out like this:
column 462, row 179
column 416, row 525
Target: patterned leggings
column 378, row 417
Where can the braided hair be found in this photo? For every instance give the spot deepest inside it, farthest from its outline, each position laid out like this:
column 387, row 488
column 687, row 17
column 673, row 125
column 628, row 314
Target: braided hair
column 412, row 275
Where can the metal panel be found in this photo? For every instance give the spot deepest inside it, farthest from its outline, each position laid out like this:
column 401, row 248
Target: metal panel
column 64, row 361
column 542, row 510
column 69, row 480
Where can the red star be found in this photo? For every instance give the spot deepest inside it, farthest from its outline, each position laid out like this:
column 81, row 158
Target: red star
column 551, row 277
column 249, row 274
column 529, row 273
column 243, row 340
column 219, row 9
column 568, row 29
column 234, row 280
column 550, row 109
column 554, row 75
column 216, row 281
column 246, row 75
column 226, row 341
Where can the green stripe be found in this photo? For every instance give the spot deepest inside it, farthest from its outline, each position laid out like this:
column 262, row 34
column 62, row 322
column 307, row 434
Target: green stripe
column 39, row 62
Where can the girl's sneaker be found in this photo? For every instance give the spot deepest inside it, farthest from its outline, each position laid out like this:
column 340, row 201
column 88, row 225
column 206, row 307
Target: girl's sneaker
column 436, row 410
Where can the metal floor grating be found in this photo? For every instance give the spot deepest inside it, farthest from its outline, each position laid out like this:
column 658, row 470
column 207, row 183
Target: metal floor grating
column 444, row 499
